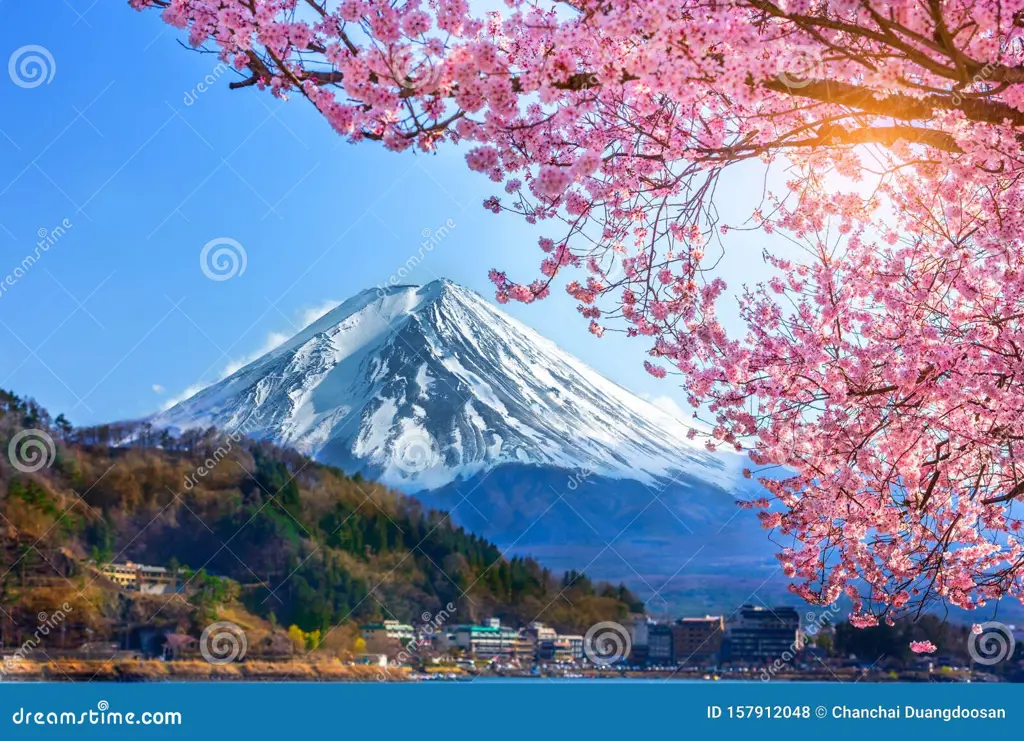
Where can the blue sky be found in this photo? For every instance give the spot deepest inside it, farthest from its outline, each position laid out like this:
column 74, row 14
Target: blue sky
column 116, row 317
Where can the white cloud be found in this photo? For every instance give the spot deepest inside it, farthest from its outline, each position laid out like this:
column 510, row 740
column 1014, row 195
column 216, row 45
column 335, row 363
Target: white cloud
column 158, row 389
column 671, row 407
column 190, row 391
column 274, row 339
column 674, row 409
column 310, row 315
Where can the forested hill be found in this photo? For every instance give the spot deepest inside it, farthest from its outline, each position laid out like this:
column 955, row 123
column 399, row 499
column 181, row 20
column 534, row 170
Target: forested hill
column 306, row 544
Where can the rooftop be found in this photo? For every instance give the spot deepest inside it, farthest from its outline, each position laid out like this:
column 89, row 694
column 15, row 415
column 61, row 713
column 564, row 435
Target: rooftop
column 386, row 625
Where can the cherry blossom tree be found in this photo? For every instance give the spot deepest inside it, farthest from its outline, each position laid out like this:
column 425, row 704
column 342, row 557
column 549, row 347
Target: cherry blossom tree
column 879, row 378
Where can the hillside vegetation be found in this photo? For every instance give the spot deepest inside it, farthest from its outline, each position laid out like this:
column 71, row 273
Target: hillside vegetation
column 286, row 540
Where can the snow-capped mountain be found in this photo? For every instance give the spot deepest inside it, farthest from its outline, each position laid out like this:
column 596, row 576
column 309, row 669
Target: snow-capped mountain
column 422, row 386
column 436, row 392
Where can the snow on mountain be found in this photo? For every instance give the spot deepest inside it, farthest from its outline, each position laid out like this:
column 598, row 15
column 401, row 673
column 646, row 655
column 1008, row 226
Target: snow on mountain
column 421, row 387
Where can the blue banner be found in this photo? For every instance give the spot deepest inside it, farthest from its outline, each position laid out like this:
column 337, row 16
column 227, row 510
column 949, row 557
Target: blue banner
column 494, row 709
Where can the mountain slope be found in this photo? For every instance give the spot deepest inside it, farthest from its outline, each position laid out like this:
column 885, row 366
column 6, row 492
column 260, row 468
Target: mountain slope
column 436, row 392
column 423, row 386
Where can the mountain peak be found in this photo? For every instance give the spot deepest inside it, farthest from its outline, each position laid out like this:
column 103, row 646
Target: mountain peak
column 388, row 303
column 443, row 283
column 433, row 288
column 421, row 386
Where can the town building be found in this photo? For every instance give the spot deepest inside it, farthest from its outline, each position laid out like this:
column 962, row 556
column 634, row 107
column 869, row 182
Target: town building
column 762, row 635
column 180, row 646
column 638, row 633
column 659, row 644
column 529, row 640
column 380, row 660
column 540, row 631
column 124, row 575
column 136, row 577
column 556, row 650
column 575, row 646
column 697, row 640
column 525, row 649
column 389, row 630
column 158, row 580
column 489, row 641
column 445, row 641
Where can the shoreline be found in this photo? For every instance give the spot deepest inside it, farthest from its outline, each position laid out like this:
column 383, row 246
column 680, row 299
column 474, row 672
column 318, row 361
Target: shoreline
column 336, row 671
column 202, row 671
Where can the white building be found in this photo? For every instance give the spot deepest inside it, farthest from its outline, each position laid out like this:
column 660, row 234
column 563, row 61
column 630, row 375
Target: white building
column 388, row 630
column 489, row 641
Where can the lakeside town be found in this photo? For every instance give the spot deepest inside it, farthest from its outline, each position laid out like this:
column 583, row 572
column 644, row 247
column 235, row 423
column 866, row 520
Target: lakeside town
column 757, row 642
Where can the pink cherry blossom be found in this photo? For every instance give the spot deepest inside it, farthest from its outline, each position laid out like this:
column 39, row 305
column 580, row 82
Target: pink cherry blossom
column 922, row 647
